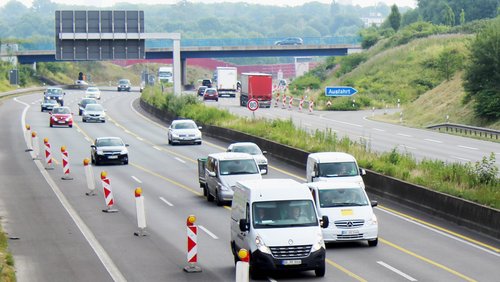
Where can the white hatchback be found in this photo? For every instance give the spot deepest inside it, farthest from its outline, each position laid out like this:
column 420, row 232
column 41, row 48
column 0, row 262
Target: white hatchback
column 93, row 92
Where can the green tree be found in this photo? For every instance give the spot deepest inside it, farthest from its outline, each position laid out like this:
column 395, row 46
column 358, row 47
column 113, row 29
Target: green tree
column 462, row 17
column 449, row 61
column 482, row 74
column 448, row 16
column 395, row 18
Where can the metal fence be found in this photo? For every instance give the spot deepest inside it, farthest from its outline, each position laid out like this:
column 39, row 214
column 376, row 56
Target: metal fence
column 467, row 130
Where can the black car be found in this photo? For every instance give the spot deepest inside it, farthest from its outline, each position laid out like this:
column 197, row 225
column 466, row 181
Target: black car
column 109, row 149
column 83, row 103
column 124, row 85
column 201, row 90
column 290, row 41
column 55, row 93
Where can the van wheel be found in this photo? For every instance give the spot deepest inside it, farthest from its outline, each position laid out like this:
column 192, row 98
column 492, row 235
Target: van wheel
column 373, row 243
column 255, row 273
column 210, row 198
column 205, row 193
column 320, row 272
column 218, row 200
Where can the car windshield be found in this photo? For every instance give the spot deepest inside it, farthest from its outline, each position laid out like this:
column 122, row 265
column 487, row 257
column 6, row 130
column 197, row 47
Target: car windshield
column 230, row 167
column 329, row 198
column 283, row 214
column 61, row 111
column 184, row 125
column 108, row 142
column 88, row 101
column 337, row 169
column 90, row 89
column 249, row 149
column 54, row 91
column 124, row 81
column 93, row 107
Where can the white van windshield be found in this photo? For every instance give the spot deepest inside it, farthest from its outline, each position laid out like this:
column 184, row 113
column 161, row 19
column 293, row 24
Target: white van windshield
column 337, row 169
column 283, row 214
column 349, row 197
column 230, row 167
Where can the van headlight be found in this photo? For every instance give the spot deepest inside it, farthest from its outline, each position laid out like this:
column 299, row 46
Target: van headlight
column 261, row 246
column 319, row 244
column 373, row 220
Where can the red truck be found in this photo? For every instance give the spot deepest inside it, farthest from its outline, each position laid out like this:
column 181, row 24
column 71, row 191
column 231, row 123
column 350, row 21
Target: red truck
column 257, row 86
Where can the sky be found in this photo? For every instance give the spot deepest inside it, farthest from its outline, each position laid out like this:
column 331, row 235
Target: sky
column 108, row 3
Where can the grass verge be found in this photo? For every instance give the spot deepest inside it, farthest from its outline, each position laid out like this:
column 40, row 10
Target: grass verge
column 7, row 272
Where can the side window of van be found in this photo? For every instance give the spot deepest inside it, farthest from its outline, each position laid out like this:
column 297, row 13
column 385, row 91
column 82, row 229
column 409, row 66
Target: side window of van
column 210, row 164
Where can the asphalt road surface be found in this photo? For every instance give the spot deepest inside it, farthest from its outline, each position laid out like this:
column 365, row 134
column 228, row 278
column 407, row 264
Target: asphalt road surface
column 60, row 234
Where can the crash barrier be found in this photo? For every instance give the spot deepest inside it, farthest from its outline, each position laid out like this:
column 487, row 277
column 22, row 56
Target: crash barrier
column 49, row 165
column 467, row 130
column 243, row 266
column 108, row 193
column 141, row 215
column 192, row 245
column 35, row 145
column 65, row 164
column 89, row 177
column 469, row 214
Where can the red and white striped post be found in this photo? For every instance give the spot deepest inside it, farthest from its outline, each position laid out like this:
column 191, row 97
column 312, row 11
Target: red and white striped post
column 141, row 214
column 290, row 102
column 192, row 248
column 108, row 193
column 243, row 266
column 301, row 103
column 277, row 100
column 89, row 177
column 27, row 138
column 284, row 102
column 36, row 145
column 311, row 105
column 48, row 155
column 65, row 164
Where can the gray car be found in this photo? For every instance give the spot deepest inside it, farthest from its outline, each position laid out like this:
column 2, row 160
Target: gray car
column 184, row 131
column 94, row 112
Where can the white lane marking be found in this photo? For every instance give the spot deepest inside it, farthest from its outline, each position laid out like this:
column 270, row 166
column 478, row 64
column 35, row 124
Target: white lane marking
column 405, row 135
column 166, row 202
column 396, row 271
column 157, row 148
column 182, row 161
column 343, row 122
column 378, row 129
column 465, row 147
column 139, row 138
column 136, row 179
column 78, row 130
column 126, row 131
column 105, row 259
column 441, row 232
column 432, row 140
column 408, row 147
column 208, row 232
column 462, row 159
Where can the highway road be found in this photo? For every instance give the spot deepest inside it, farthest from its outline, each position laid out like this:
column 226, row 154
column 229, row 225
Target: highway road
column 60, row 234
column 379, row 136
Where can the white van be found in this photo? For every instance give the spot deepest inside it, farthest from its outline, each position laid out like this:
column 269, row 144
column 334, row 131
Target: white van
column 349, row 209
column 336, row 166
column 222, row 170
column 277, row 222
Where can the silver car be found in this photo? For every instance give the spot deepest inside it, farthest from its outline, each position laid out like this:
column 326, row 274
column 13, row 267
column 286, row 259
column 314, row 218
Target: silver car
column 252, row 149
column 184, row 131
column 94, row 112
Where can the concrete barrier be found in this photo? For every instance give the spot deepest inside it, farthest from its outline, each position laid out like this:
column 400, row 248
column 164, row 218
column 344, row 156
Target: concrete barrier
column 466, row 213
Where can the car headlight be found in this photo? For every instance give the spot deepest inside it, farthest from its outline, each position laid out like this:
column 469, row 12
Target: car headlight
column 319, row 243
column 100, row 152
column 54, row 118
column 261, row 246
column 67, row 119
column 124, row 151
column 174, row 134
column 373, row 220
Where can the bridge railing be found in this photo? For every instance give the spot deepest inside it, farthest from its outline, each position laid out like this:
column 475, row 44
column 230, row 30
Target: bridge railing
column 188, row 42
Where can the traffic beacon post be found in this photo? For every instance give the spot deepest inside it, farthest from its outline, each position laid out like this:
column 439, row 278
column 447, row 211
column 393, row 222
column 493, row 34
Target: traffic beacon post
column 243, row 266
column 192, row 248
column 253, row 105
column 141, row 214
column 89, row 177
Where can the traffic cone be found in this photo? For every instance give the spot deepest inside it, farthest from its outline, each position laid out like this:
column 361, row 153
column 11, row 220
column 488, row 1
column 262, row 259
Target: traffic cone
column 89, row 176
column 141, row 214
column 65, row 164
column 108, row 193
column 192, row 248
column 48, row 155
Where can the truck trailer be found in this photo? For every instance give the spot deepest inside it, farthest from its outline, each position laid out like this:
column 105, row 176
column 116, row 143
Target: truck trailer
column 258, row 86
column 226, row 81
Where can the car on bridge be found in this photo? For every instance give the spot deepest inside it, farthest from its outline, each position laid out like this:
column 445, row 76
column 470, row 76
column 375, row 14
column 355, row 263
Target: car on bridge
column 290, row 41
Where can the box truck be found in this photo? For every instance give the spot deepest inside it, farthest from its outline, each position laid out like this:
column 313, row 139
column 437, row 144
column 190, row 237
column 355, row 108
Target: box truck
column 258, row 86
column 165, row 74
column 277, row 222
column 226, row 79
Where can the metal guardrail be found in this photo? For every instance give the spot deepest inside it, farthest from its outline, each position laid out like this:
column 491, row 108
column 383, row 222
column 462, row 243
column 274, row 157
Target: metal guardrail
column 468, row 130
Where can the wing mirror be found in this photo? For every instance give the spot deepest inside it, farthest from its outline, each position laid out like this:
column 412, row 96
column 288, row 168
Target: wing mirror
column 244, row 226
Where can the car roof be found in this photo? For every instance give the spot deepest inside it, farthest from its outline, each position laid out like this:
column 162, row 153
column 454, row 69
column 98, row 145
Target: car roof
column 92, row 88
column 109, row 137
column 327, row 185
column 182, row 120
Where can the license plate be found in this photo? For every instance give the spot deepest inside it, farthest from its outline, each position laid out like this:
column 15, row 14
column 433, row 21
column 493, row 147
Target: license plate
column 291, row 262
column 350, row 232
column 61, row 121
column 113, row 157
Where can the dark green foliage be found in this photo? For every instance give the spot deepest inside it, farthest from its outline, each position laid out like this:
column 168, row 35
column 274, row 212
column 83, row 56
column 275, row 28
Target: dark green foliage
column 395, row 18
column 482, row 74
column 449, row 61
column 348, row 63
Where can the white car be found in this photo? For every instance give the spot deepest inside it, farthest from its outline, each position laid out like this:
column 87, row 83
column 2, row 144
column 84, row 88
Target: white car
column 93, row 92
column 252, row 149
column 94, row 112
column 184, row 131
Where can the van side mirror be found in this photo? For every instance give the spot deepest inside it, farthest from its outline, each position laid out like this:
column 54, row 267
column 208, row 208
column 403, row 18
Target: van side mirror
column 212, row 174
column 362, row 171
column 244, row 225
column 264, row 152
column 92, row 146
column 374, row 203
column 263, row 171
column 324, row 221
